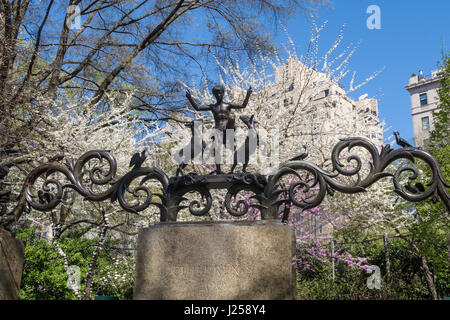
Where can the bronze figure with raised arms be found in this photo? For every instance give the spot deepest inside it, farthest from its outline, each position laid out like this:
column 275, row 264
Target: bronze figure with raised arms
column 221, row 111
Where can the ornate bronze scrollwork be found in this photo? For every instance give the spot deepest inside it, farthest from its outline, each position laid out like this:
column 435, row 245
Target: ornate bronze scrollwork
column 268, row 191
column 75, row 176
column 324, row 182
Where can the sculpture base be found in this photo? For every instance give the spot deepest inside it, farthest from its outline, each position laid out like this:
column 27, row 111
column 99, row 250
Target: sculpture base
column 12, row 253
column 216, row 260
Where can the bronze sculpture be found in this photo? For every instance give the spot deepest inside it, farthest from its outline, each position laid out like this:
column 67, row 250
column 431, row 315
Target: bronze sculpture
column 249, row 146
column 194, row 148
column 221, row 110
column 266, row 189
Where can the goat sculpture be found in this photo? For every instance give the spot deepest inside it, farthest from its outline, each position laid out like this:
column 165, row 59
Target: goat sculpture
column 195, row 146
column 248, row 147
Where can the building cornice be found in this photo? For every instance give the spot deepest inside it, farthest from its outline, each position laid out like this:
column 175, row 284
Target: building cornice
column 422, row 83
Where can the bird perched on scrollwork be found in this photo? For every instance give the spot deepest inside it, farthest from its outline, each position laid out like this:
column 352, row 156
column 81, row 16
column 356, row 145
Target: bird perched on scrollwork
column 400, row 141
column 415, row 188
column 138, row 159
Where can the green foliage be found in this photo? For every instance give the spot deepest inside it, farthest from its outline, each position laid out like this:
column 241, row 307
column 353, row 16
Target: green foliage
column 406, row 283
column 349, row 284
column 407, row 280
column 440, row 134
column 433, row 225
column 438, row 144
column 114, row 279
column 44, row 276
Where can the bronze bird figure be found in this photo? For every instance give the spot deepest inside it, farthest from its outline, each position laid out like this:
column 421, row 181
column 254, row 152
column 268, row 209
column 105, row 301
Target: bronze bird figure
column 400, row 141
column 138, row 159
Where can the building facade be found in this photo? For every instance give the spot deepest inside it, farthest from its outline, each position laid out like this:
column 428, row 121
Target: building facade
column 329, row 114
column 328, row 109
column 424, row 100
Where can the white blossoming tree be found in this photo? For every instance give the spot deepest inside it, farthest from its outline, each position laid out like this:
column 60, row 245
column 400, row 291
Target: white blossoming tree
column 301, row 99
column 70, row 131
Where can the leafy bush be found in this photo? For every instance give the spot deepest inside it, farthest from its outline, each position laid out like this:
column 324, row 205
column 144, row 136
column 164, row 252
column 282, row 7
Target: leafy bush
column 45, row 278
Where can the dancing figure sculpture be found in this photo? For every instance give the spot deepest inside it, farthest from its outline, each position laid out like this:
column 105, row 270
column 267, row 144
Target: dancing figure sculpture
column 221, row 110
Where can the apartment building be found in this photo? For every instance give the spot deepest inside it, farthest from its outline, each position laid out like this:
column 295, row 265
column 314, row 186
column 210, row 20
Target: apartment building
column 424, row 100
column 329, row 114
column 327, row 108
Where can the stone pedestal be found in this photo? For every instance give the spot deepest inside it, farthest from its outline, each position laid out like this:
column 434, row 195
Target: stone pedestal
column 216, row 260
column 11, row 263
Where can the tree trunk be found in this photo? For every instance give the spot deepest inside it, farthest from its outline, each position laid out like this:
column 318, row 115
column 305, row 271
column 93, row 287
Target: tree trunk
column 93, row 265
column 448, row 246
column 75, row 289
column 332, row 258
column 424, row 266
column 387, row 257
column 429, row 278
column 427, row 273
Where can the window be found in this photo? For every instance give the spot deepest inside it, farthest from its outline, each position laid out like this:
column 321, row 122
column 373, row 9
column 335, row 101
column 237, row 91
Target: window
column 425, row 123
column 423, row 99
column 327, row 92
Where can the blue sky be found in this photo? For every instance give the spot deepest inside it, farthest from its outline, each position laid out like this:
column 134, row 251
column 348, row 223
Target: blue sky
column 410, row 39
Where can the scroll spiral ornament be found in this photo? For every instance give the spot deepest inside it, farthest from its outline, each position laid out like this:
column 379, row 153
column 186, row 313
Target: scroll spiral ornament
column 202, row 184
column 178, row 187
column 324, row 182
column 76, row 175
column 194, row 206
column 313, row 182
column 437, row 186
column 234, row 209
